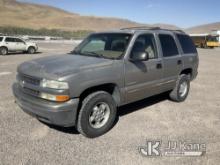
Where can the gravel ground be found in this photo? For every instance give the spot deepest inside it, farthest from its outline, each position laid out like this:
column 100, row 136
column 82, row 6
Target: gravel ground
column 25, row 140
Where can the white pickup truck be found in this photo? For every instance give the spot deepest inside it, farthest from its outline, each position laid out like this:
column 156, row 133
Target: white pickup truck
column 15, row 44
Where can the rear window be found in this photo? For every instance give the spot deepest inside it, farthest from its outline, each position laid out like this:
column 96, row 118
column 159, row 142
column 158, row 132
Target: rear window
column 168, row 45
column 186, row 44
column 1, row 38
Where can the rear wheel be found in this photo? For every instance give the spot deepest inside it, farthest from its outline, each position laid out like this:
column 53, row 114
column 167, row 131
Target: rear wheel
column 181, row 90
column 97, row 114
column 31, row 50
column 3, row 51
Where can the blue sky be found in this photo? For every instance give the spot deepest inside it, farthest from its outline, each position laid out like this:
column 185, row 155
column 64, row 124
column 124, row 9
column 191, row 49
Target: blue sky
column 185, row 13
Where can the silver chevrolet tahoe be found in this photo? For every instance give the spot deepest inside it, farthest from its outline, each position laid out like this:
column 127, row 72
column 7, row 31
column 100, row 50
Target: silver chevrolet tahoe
column 107, row 70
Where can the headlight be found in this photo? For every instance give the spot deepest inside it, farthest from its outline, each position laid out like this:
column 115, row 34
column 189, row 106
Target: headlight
column 54, row 84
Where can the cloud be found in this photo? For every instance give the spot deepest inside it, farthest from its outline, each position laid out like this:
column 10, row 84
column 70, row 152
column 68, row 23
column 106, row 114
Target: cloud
column 151, row 4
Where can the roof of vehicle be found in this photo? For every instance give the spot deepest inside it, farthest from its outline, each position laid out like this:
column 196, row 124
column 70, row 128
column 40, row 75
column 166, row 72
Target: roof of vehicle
column 9, row 36
column 132, row 30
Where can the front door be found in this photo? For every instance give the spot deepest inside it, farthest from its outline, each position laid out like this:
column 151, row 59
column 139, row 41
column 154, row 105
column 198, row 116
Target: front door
column 20, row 45
column 143, row 78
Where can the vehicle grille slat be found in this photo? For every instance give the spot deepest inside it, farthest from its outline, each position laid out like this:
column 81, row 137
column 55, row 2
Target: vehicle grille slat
column 25, row 79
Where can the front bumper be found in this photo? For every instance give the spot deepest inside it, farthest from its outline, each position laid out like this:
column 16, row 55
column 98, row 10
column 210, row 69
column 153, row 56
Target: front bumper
column 61, row 114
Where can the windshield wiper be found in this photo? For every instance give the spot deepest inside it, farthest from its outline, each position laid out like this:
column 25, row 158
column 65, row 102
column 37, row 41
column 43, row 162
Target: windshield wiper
column 91, row 54
column 94, row 54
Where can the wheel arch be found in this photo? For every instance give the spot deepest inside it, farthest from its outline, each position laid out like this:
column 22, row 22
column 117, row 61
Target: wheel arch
column 187, row 71
column 111, row 88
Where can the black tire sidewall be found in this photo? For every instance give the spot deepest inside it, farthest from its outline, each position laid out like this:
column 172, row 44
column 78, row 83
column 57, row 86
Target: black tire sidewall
column 86, row 111
column 184, row 78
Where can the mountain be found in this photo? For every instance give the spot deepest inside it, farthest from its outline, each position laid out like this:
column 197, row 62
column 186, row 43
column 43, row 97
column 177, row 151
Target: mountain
column 207, row 28
column 27, row 15
column 34, row 16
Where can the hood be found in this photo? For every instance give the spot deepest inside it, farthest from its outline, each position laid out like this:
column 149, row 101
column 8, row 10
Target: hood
column 30, row 43
column 58, row 66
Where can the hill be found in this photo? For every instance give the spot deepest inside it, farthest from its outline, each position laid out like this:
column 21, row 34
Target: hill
column 19, row 14
column 204, row 28
column 33, row 16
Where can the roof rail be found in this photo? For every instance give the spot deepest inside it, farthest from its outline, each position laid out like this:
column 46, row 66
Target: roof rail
column 141, row 28
column 151, row 28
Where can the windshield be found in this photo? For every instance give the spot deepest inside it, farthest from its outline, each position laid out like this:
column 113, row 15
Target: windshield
column 105, row 45
column 213, row 38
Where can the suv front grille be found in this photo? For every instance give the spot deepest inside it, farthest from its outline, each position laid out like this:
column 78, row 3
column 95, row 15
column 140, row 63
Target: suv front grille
column 31, row 92
column 25, row 79
column 29, row 79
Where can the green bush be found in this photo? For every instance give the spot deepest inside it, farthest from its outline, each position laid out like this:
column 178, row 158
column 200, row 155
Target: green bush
column 44, row 32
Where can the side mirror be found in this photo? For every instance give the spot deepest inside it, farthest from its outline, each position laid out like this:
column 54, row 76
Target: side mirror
column 139, row 56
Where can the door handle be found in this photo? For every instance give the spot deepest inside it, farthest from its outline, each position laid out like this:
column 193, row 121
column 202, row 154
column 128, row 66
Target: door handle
column 159, row 66
column 179, row 62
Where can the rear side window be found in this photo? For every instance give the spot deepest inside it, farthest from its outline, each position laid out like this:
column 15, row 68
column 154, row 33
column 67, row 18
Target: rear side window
column 8, row 39
column 168, row 45
column 186, row 44
column 1, row 38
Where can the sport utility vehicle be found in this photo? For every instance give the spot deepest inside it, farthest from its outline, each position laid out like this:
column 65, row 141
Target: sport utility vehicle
column 14, row 44
column 107, row 70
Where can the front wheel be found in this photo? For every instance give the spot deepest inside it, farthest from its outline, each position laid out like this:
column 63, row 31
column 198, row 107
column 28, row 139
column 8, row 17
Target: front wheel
column 97, row 114
column 181, row 90
column 31, row 50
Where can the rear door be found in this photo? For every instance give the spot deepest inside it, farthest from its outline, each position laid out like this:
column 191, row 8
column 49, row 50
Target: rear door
column 172, row 62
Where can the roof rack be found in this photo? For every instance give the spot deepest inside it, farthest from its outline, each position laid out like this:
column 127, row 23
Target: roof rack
column 150, row 28
column 141, row 28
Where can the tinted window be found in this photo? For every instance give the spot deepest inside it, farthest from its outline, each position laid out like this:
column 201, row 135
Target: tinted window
column 1, row 38
column 168, row 45
column 186, row 44
column 18, row 40
column 8, row 39
column 145, row 43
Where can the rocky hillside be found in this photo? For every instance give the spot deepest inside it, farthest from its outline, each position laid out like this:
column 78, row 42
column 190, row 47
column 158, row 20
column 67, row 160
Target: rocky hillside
column 204, row 28
column 34, row 16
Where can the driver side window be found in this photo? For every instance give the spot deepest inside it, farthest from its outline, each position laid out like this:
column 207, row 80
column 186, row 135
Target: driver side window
column 145, row 43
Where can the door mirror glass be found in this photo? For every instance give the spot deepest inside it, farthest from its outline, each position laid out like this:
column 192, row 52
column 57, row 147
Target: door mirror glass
column 140, row 56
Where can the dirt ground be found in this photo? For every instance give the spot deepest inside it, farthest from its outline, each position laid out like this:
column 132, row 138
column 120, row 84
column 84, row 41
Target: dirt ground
column 25, row 140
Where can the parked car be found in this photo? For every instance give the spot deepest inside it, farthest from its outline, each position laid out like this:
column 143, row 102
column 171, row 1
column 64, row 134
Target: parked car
column 15, row 44
column 107, row 70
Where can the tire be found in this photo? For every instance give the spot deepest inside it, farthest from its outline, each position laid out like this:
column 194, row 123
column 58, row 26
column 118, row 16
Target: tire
column 178, row 94
column 31, row 50
column 87, row 124
column 3, row 51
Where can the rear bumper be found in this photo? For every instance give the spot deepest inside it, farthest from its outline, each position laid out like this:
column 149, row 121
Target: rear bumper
column 61, row 114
